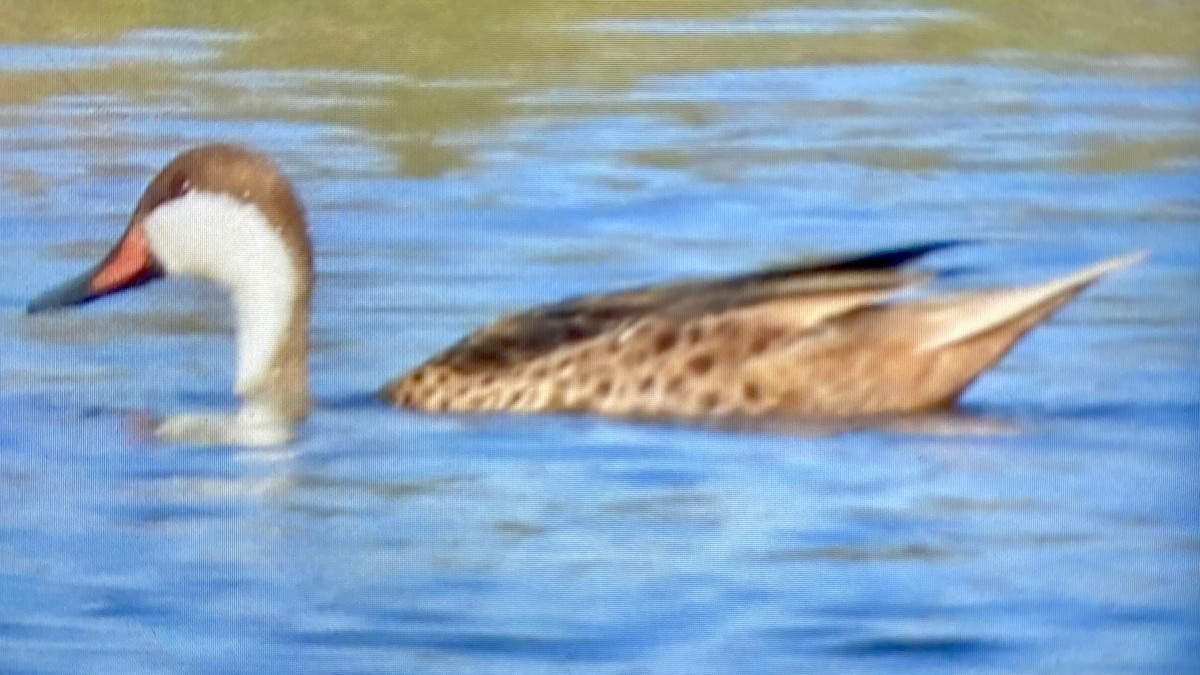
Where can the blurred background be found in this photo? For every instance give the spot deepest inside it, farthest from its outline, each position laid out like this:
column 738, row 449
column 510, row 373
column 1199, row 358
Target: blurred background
column 461, row 160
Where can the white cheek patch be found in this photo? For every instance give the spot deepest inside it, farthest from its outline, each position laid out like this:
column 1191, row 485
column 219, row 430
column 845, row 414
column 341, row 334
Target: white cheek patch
column 223, row 239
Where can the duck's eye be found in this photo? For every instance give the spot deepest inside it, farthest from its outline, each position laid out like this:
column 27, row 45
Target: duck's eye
column 180, row 185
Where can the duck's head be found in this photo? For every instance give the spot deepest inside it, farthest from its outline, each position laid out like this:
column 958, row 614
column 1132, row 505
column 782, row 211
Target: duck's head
column 219, row 212
column 229, row 215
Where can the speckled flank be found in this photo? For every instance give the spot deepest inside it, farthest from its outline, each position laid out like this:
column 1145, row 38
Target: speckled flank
column 651, row 368
column 866, row 360
column 818, row 339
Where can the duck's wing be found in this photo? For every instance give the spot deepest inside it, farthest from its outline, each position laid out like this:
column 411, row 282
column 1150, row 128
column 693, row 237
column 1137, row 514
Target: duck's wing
column 802, row 294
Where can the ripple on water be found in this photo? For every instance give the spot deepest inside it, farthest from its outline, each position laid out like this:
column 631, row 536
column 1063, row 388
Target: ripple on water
column 1053, row 529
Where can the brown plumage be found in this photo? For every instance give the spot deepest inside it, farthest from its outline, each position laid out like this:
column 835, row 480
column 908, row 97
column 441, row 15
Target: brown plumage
column 816, row 340
column 822, row 340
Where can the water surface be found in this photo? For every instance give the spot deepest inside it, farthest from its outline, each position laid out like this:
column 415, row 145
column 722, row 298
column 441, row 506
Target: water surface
column 459, row 167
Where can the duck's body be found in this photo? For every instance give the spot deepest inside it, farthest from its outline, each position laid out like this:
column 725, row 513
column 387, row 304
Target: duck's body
column 806, row 341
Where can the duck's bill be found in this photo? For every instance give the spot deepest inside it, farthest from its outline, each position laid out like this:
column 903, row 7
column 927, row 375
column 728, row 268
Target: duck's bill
column 129, row 264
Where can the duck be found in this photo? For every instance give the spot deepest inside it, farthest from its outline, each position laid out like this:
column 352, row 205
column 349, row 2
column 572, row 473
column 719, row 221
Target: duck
column 828, row 339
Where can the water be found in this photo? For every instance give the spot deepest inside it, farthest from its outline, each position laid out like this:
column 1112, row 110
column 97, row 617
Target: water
column 1062, row 537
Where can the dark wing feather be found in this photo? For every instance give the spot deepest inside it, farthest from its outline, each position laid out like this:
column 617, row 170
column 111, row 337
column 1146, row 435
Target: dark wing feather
column 882, row 260
column 534, row 332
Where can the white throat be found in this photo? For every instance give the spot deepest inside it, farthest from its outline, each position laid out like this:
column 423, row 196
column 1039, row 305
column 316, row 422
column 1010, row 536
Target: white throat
column 218, row 237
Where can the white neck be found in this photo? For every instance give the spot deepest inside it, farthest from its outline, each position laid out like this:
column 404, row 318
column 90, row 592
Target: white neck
column 217, row 237
column 263, row 315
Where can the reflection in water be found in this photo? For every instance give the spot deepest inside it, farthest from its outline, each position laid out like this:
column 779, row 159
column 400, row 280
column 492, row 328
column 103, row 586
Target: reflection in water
column 254, row 425
column 797, row 21
column 950, row 423
column 416, row 57
column 150, row 47
column 460, row 167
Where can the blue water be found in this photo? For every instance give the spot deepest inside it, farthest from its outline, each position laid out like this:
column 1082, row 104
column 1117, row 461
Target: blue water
column 1059, row 531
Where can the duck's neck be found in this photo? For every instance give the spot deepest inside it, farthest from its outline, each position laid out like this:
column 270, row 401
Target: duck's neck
column 272, row 375
column 219, row 237
column 272, row 343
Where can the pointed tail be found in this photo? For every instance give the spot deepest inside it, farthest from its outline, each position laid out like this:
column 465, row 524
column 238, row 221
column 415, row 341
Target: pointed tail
column 969, row 315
